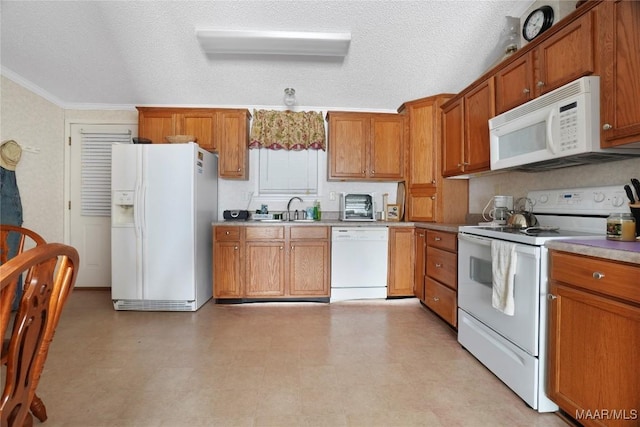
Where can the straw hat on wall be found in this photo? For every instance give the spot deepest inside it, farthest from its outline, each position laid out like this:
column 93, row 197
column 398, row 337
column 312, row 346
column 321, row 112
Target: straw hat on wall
column 10, row 153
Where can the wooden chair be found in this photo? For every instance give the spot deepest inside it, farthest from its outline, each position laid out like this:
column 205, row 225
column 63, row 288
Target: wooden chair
column 50, row 271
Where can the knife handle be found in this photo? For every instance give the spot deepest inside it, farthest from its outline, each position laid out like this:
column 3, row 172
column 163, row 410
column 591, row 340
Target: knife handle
column 627, row 189
column 636, row 185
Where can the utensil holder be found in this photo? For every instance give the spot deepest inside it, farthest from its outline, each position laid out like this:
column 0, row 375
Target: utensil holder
column 635, row 211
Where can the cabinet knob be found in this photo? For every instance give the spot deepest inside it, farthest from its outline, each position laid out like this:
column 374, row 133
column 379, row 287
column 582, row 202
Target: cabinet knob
column 235, row 248
column 607, row 126
column 436, row 299
column 597, row 275
column 551, row 297
column 364, row 172
column 438, row 265
column 433, row 181
column 540, row 83
column 227, row 233
column 526, row 90
column 433, row 197
column 372, row 172
column 239, row 169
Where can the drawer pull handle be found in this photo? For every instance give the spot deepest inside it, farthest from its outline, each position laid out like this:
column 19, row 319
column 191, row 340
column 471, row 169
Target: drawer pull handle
column 551, row 297
column 437, row 239
column 436, row 299
column 438, row 265
column 597, row 275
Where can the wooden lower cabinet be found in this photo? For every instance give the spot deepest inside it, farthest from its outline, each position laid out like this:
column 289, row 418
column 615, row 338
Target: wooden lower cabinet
column 441, row 280
column 419, row 266
column 594, row 337
column 401, row 260
column 271, row 262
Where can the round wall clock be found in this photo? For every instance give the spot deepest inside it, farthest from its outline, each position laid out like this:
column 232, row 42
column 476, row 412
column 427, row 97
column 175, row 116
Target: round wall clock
column 537, row 22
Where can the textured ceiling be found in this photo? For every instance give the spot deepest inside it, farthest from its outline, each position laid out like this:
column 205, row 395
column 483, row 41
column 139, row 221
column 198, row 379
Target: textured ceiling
column 124, row 53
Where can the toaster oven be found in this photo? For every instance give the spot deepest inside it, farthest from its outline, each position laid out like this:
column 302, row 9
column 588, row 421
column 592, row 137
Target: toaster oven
column 357, row 207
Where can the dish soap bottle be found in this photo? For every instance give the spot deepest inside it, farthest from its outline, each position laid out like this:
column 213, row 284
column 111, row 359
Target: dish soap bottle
column 317, row 214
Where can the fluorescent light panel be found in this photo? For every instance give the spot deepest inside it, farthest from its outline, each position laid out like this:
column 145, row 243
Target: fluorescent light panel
column 273, row 42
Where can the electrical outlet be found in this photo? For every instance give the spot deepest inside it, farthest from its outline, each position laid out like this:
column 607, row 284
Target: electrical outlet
column 332, row 195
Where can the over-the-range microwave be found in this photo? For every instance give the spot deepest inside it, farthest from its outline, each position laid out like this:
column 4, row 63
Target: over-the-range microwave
column 558, row 129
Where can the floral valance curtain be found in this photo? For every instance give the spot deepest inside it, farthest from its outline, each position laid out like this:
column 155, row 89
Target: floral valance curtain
column 287, row 130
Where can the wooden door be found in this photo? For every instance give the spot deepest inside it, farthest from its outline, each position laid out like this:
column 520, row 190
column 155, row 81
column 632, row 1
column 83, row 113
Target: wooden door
column 453, row 138
column 620, row 78
column 386, row 152
column 566, row 56
column 309, row 268
column 479, row 108
column 401, row 265
column 202, row 125
column 156, row 123
column 593, row 361
column 349, row 136
column 419, row 264
column 514, row 83
column 264, row 269
column 232, row 144
column 227, row 270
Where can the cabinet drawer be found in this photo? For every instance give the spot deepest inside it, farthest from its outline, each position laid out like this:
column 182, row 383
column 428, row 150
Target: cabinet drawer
column 443, row 266
column 227, row 233
column 309, row 232
column 442, row 240
column 599, row 275
column 259, row 233
column 441, row 299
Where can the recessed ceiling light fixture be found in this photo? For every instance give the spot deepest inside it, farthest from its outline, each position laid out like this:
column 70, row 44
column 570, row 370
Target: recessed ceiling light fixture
column 273, row 42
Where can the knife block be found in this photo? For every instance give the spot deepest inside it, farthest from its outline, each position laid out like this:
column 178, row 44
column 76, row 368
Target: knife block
column 635, row 211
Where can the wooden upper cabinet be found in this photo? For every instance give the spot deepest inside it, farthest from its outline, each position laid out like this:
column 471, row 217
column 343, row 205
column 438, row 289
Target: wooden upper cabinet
column 620, row 77
column 563, row 57
column 568, row 55
column 514, row 83
column 225, row 131
column 233, row 134
column 364, row 146
column 479, row 108
column 453, row 138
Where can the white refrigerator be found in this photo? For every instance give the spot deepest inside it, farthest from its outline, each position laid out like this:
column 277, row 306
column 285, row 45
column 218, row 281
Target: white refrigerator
column 164, row 199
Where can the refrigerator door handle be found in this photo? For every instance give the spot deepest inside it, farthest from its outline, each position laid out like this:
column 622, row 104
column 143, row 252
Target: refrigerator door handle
column 143, row 213
column 136, row 209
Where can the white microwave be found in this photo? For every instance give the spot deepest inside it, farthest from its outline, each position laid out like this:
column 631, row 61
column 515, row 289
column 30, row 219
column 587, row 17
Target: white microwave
column 558, row 129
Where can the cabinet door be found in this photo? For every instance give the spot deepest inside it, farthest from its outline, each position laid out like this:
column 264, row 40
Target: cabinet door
column 232, row 144
column 201, row 124
column 514, row 83
column 419, row 265
column 566, row 56
column 227, row 270
column 479, row 108
column 156, row 124
column 386, row 152
column 620, row 78
column 423, row 143
column 349, row 136
column 309, row 269
column 422, row 205
column 401, row 266
column 264, row 269
column 453, row 138
column 593, row 363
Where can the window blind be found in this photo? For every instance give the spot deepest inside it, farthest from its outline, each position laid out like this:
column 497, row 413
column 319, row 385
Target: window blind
column 95, row 189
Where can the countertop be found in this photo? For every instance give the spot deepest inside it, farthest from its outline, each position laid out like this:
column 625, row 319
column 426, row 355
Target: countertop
column 450, row 228
column 601, row 248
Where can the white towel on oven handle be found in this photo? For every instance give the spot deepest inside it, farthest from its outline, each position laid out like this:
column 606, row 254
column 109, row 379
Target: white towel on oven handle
column 503, row 269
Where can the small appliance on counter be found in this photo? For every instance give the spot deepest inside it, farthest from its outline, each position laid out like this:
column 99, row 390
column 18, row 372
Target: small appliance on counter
column 497, row 209
column 357, row 207
column 235, row 215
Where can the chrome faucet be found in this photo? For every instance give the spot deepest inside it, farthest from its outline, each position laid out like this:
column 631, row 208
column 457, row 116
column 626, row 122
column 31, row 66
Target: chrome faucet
column 289, row 207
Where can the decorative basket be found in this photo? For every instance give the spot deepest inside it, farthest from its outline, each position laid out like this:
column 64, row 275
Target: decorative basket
column 180, row 139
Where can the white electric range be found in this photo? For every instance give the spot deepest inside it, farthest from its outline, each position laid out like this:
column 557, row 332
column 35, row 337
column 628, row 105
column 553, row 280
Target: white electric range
column 513, row 347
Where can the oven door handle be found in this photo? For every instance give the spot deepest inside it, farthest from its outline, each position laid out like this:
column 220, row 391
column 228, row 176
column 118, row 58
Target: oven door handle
column 474, row 239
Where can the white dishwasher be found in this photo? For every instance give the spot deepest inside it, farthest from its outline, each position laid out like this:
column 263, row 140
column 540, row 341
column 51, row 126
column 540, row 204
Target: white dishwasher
column 359, row 262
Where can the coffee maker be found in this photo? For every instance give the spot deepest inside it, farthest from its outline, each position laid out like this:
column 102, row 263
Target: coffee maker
column 498, row 209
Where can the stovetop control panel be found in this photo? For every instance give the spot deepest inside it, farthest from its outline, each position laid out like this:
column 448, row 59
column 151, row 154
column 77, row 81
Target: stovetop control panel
column 580, row 201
